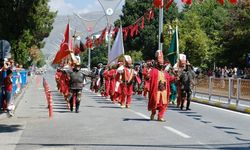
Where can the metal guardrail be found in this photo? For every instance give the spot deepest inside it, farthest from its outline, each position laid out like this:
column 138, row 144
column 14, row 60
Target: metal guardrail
column 230, row 88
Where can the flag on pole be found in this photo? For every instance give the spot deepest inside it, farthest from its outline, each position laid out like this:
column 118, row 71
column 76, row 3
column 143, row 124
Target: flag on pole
column 117, row 49
column 173, row 51
column 64, row 47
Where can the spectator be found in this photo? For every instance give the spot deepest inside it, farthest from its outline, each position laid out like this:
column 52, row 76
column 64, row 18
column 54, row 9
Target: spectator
column 8, row 92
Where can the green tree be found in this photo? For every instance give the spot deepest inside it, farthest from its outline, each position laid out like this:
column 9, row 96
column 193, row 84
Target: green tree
column 99, row 54
column 147, row 40
column 237, row 35
column 193, row 41
column 135, row 55
column 25, row 24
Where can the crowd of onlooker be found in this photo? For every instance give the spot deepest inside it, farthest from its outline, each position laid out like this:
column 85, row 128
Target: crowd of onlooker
column 11, row 76
column 225, row 72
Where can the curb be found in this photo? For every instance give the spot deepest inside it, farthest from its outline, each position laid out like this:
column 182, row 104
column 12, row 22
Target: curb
column 218, row 104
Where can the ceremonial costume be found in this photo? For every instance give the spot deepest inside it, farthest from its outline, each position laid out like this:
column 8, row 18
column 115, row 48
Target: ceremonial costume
column 127, row 74
column 145, row 74
column 112, row 75
column 106, row 82
column 99, row 78
column 159, row 89
column 137, row 81
column 179, row 67
column 118, row 79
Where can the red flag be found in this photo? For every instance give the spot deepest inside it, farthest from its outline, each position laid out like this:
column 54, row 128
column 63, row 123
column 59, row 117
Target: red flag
column 66, row 35
column 132, row 31
column 234, row 2
column 125, row 32
column 188, row 2
column 102, row 36
column 62, row 53
column 115, row 31
column 97, row 41
column 64, row 47
column 77, row 50
column 150, row 15
column 221, row 2
column 136, row 29
column 169, row 3
column 89, row 43
column 142, row 23
column 158, row 3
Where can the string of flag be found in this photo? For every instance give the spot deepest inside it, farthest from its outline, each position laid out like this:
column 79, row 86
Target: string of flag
column 133, row 29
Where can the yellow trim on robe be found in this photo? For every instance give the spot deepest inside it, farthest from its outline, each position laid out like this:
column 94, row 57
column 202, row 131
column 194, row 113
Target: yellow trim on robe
column 161, row 77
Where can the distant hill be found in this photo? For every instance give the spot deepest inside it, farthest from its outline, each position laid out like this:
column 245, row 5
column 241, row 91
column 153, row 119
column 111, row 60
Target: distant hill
column 76, row 24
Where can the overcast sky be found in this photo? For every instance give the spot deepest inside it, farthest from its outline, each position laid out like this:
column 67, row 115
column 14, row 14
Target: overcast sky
column 67, row 7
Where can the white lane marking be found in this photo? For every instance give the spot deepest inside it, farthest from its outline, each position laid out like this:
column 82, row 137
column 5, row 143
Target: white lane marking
column 166, row 127
column 177, row 132
column 139, row 114
column 223, row 109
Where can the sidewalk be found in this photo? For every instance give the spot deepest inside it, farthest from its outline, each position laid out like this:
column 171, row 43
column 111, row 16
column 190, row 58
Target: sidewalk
column 221, row 104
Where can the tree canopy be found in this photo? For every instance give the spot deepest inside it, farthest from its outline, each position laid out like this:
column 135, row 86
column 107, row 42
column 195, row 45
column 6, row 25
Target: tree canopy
column 25, row 24
column 208, row 31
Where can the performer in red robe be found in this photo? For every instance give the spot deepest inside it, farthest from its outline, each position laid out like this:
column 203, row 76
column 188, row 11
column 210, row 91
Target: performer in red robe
column 112, row 75
column 127, row 73
column 57, row 78
column 107, row 81
column 118, row 80
column 145, row 73
column 159, row 88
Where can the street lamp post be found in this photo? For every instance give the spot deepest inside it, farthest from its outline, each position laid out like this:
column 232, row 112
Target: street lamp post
column 92, row 24
column 109, row 13
column 160, row 45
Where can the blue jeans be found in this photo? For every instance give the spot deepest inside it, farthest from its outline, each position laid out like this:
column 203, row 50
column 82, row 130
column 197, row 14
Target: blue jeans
column 1, row 97
column 8, row 96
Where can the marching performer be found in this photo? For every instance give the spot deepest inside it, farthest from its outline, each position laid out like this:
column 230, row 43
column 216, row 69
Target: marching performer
column 145, row 74
column 159, row 88
column 128, row 74
column 179, row 67
column 106, row 81
column 112, row 75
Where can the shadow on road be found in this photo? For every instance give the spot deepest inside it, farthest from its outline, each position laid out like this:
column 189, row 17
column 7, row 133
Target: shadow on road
column 9, row 128
column 233, row 146
column 135, row 119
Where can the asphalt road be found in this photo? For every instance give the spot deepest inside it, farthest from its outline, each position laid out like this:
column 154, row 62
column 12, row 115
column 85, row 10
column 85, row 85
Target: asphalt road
column 105, row 126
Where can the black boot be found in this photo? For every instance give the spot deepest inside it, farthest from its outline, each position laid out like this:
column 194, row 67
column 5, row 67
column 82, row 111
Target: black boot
column 77, row 107
column 71, row 104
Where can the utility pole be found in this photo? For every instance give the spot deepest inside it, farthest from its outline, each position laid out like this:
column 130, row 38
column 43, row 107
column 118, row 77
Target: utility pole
column 160, row 45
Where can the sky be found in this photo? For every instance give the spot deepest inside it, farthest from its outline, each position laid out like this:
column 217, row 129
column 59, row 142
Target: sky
column 67, row 7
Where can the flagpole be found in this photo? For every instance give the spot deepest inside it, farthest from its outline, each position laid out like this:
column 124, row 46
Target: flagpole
column 89, row 63
column 177, row 42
